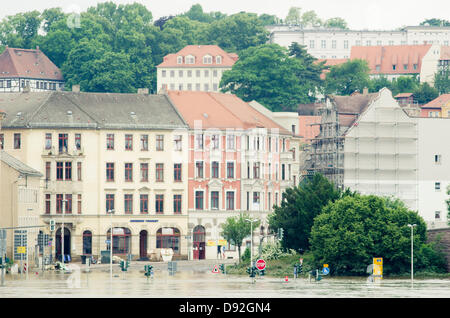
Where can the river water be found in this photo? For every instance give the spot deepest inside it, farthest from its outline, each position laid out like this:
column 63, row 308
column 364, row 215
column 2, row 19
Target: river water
column 203, row 283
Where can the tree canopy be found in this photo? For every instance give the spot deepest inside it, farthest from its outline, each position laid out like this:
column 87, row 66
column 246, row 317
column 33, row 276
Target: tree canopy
column 346, row 78
column 354, row 229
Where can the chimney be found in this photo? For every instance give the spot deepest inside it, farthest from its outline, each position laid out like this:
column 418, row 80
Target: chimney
column 143, row 91
column 76, row 88
column 365, row 91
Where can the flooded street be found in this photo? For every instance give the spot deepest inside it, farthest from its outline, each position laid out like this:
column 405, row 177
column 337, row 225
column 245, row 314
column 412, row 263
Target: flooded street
column 202, row 283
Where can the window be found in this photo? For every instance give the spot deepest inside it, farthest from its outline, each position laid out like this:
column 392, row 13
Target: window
column 189, row 73
column 48, row 141
column 269, row 200
column 199, row 200
column 394, row 67
column 276, row 198
column 60, row 170
column 168, row 237
column 79, row 204
column 215, row 87
column 47, row 170
column 230, row 142
column 177, row 142
column 172, row 73
column 87, row 243
column 215, row 169
column 256, row 170
column 180, row 73
column 311, row 44
column 109, row 171
column 218, row 60
column 128, row 204
column 230, row 200
column 415, row 66
column 199, row 169
column 206, row 87
column 197, row 86
column 368, row 43
column 159, row 203
column 144, row 203
column 437, row 159
column 270, row 171
column 68, row 205
column 189, row 60
column 345, row 44
column 197, row 74
column 8, row 83
column 47, row 203
column 333, row 44
column 437, row 215
column 121, row 239
column 163, row 73
column 230, row 170
column 276, row 171
column 144, row 172
column 68, row 170
column 199, row 141
column 214, row 200
column 109, row 202
column 207, row 59
column 62, row 143
column 59, row 201
column 270, row 144
column 189, row 87
column 16, row 141
column 78, row 141
column 177, row 172
column 283, row 173
column 405, row 66
column 215, row 141
column 159, row 172
column 180, row 87
column 2, row 141
column 110, row 141
column 128, row 172
column 437, row 186
column 177, row 203
column 215, row 73
column 144, row 142
column 256, row 200
column 128, row 142
column 323, row 44
column 159, row 142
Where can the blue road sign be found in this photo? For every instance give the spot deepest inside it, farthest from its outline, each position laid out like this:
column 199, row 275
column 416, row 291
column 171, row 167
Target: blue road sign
column 325, row 270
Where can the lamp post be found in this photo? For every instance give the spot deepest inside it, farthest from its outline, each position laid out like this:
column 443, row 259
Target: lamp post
column 62, row 231
column 412, row 251
column 110, row 244
column 251, row 242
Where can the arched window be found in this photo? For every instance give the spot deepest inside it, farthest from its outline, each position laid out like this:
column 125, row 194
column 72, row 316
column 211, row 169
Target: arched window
column 168, row 237
column 121, row 240
column 199, row 234
column 87, row 243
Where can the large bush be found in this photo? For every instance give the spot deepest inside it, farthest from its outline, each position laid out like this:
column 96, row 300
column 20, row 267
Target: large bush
column 353, row 230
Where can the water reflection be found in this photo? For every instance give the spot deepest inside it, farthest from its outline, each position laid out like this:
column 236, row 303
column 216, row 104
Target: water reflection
column 206, row 285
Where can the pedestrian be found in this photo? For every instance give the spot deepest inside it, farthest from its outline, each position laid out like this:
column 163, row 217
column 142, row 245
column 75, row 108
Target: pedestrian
column 223, row 252
column 219, row 250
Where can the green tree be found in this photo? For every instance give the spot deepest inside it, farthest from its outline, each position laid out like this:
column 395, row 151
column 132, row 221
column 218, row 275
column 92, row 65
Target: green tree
column 352, row 230
column 237, row 32
column 436, row 22
column 236, row 229
column 425, row 93
column 376, row 84
column 268, row 19
column 268, row 75
column 404, row 84
column 347, row 78
column 299, row 206
column 442, row 81
column 294, row 16
column 50, row 16
column 336, row 23
column 20, row 30
column 310, row 19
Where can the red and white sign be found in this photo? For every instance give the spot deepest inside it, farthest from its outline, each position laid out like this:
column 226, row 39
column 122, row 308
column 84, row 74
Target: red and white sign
column 215, row 269
column 260, row 264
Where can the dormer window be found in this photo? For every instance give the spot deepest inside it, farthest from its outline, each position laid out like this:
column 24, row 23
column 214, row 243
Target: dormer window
column 179, row 60
column 394, row 67
column 218, row 59
column 207, row 59
column 190, row 60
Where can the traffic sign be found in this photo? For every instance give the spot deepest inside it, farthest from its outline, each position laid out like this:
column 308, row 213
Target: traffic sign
column 21, row 249
column 301, row 260
column 325, row 270
column 260, row 264
column 211, row 243
column 215, row 269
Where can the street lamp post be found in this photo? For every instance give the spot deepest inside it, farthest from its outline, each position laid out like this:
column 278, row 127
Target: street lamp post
column 412, row 251
column 62, row 232
column 251, row 242
column 110, row 245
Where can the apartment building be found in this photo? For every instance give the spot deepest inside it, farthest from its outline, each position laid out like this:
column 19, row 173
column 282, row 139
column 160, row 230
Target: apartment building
column 325, row 43
column 241, row 161
column 107, row 160
column 23, row 69
column 372, row 145
column 194, row 68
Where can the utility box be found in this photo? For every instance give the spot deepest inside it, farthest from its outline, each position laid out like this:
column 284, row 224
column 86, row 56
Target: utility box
column 105, row 257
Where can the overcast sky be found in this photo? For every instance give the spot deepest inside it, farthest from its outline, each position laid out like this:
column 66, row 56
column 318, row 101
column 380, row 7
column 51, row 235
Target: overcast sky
column 359, row 14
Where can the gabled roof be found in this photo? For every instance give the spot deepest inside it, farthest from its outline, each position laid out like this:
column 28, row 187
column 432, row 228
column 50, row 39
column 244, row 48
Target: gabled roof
column 199, row 51
column 220, row 111
column 23, row 63
column 386, row 56
column 403, row 95
column 18, row 165
column 89, row 110
column 438, row 102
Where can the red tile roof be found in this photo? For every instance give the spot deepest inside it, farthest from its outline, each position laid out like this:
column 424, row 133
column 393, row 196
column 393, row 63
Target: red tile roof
column 199, row 51
column 445, row 53
column 402, row 95
column 386, row 56
column 438, row 102
column 25, row 63
column 220, row 111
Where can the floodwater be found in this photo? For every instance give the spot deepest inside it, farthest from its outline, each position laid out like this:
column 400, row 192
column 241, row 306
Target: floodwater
column 203, row 283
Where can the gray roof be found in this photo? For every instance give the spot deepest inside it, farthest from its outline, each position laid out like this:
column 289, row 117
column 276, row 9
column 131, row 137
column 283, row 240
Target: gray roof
column 18, row 165
column 61, row 109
